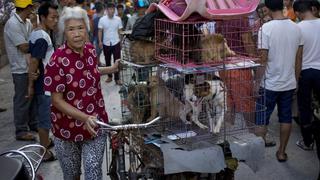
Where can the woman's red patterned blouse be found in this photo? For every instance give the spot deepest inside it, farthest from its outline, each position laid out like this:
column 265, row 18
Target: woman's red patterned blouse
column 78, row 79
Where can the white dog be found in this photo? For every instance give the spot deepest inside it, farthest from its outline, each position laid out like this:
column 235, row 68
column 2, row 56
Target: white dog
column 212, row 96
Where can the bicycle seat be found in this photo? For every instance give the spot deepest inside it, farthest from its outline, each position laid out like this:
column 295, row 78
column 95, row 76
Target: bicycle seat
column 11, row 168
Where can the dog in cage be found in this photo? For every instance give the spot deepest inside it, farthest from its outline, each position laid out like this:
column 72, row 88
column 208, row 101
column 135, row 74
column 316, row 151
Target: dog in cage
column 214, row 47
column 193, row 43
column 139, row 102
column 164, row 102
column 210, row 97
column 141, row 51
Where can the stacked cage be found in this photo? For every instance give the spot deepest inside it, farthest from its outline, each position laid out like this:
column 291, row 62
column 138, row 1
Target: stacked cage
column 139, row 98
column 206, row 88
column 204, row 43
column 212, row 69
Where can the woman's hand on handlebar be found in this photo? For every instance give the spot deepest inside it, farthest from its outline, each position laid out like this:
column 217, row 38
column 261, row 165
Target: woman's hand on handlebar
column 90, row 124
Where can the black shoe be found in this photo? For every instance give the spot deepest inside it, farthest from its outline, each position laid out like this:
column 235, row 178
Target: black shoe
column 297, row 120
column 3, row 109
column 283, row 159
column 301, row 145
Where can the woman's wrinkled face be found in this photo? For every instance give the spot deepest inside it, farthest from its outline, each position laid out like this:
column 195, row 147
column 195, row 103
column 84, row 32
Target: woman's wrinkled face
column 75, row 33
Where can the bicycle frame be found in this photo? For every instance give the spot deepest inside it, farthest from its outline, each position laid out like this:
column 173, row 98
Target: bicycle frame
column 120, row 161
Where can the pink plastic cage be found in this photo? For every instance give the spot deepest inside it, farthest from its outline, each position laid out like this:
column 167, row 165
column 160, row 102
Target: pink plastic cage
column 180, row 10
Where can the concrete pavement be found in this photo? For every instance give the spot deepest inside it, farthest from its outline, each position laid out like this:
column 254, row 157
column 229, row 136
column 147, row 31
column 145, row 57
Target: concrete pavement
column 302, row 165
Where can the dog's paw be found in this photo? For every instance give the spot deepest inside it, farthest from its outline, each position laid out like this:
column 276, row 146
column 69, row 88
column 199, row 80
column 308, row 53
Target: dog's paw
column 186, row 122
column 202, row 126
column 216, row 130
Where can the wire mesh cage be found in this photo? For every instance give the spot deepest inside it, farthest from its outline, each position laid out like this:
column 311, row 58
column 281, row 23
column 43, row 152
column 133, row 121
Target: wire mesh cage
column 201, row 43
column 200, row 108
column 135, row 92
column 138, row 51
column 206, row 91
column 206, row 104
column 212, row 103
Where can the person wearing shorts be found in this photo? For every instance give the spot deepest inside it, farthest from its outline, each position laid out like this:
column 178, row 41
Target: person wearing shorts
column 282, row 55
column 41, row 48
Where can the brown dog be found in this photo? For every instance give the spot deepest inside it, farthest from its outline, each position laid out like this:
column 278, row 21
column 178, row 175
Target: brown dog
column 142, row 52
column 163, row 102
column 214, row 48
column 139, row 103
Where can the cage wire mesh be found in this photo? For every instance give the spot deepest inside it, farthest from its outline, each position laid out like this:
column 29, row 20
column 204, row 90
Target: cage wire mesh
column 207, row 105
column 206, row 90
column 138, row 51
column 135, row 92
column 202, row 43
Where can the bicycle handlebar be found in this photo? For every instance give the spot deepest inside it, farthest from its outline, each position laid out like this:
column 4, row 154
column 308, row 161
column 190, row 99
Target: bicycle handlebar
column 128, row 126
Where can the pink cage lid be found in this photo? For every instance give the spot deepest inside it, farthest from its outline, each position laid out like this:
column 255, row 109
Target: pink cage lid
column 180, row 10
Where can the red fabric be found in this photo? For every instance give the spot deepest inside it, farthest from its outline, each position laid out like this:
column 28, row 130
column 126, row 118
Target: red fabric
column 240, row 86
column 78, row 79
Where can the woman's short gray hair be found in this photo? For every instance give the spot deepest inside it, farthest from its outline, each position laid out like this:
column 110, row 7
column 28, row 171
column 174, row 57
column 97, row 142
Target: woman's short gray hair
column 73, row 13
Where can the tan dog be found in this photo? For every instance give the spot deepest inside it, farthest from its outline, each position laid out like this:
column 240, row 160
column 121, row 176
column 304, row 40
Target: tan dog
column 214, row 48
column 139, row 103
column 142, row 52
column 164, row 103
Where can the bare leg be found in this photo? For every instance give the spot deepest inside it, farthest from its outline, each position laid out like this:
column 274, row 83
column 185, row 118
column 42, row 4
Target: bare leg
column 261, row 131
column 285, row 130
column 44, row 139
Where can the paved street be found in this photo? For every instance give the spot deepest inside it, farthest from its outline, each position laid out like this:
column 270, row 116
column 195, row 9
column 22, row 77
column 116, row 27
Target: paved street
column 302, row 165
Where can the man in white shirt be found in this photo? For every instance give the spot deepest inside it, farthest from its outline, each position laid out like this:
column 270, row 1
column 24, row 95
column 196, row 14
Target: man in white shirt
column 280, row 44
column 309, row 80
column 110, row 25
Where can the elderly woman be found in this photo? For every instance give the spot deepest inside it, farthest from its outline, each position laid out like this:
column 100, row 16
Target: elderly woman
column 72, row 77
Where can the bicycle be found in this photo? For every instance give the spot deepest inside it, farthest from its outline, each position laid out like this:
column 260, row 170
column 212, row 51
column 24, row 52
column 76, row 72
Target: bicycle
column 118, row 168
column 22, row 163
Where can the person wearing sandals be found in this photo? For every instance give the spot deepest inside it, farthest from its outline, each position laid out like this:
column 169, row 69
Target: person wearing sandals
column 41, row 49
column 309, row 78
column 282, row 55
column 72, row 78
column 16, row 34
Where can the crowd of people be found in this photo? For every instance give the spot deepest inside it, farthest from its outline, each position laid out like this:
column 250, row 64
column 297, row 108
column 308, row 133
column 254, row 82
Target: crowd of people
column 292, row 62
column 54, row 53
